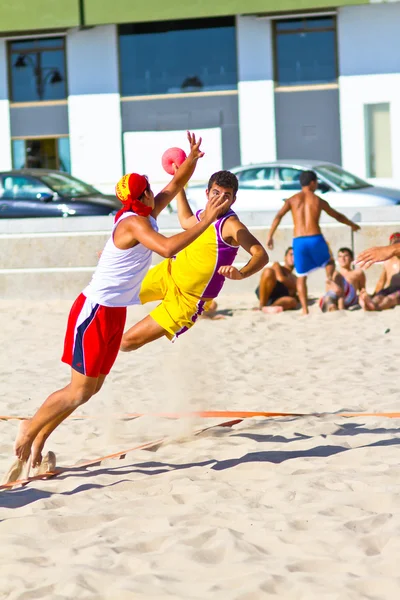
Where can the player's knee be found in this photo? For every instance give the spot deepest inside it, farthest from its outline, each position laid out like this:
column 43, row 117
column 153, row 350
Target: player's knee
column 80, row 396
column 268, row 274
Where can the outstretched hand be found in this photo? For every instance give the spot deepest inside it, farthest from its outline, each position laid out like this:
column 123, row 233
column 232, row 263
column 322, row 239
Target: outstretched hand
column 230, row 272
column 372, row 255
column 270, row 243
column 355, row 227
column 195, row 152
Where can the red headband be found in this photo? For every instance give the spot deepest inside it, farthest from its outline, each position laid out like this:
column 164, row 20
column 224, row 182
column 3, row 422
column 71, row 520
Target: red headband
column 128, row 189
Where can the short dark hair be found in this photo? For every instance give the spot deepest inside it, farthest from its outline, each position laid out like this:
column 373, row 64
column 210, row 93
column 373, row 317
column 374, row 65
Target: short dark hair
column 345, row 249
column 288, row 250
column 306, row 177
column 224, row 179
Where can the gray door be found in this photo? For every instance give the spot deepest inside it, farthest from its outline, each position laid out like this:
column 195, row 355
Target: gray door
column 307, row 125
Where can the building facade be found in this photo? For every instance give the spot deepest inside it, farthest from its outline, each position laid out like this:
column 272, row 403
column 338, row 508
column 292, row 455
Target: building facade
column 101, row 88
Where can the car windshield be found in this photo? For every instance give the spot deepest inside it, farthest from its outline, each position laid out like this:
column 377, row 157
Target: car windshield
column 65, row 185
column 341, row 178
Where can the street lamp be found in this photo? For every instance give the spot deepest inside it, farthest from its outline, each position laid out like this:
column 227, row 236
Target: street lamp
column 43, row 75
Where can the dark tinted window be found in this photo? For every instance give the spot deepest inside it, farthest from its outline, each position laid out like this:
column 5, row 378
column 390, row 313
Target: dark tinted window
column 257, row 178
column 14, row 187
column 289, row 178
column 178, row 56
column 37, row 70
column 305, row 51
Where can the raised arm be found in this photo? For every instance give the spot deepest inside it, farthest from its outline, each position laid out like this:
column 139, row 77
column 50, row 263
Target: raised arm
column 338, row 216
column 377, row 254
column 185, row 213
column 275, row 223
column 241, row 235
column 181, row 177
column 138, row 229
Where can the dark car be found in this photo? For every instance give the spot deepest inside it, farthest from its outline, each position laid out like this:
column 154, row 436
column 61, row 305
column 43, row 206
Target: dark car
column 45, row 193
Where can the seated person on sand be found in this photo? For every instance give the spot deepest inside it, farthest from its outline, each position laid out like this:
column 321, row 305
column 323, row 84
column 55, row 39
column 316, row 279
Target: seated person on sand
column 346, row 283
column 387, row 291
column 278, row 286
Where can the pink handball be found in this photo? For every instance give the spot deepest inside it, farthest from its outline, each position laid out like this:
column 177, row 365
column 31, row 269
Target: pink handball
column 172, row 155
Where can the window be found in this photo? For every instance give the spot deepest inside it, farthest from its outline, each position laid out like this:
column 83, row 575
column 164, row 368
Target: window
column 289, row 178
column 257, row 178
column 341, row 178
column 37, row 70
column 305, row 51
column 178, row 56
column 42, row 153
column 378, row 140
column 21, row 187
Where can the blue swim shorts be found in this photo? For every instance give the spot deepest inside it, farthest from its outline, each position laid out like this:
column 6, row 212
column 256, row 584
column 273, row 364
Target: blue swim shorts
column 310, row 252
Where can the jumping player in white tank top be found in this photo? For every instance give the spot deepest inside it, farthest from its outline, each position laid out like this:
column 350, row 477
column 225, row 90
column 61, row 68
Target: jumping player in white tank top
column 97, row 318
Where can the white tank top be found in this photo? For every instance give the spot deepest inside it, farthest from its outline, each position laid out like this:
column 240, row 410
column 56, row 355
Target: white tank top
column 119, row 273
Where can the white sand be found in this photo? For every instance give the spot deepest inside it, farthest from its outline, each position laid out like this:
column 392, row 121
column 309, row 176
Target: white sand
column 298, row 508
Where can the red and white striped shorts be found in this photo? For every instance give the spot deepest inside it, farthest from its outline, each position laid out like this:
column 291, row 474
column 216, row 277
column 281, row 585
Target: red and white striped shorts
column 93, row 337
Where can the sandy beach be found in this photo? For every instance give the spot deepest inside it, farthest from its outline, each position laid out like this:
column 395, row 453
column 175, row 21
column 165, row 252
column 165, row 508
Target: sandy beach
column 299, row 507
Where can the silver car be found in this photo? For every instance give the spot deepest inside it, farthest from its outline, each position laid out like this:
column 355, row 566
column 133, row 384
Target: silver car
column 265, row 186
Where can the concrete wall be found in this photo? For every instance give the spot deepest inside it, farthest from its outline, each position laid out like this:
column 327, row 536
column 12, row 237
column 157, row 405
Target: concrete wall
column 5, row 142
column 196, row 111
column 369, row 67
column 256, row 90
column 307, row 125
column 57, row 265
column 94, row 105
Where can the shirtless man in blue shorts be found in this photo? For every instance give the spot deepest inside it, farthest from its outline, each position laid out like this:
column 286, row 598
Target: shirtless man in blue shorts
column 309, row 246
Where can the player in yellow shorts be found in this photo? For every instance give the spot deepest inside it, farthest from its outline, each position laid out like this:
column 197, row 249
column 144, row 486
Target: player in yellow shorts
column 187, row 283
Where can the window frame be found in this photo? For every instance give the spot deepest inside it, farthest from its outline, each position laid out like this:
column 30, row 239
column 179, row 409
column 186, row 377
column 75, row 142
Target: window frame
column 11, row 53
column 39, row 137
column 305, row 18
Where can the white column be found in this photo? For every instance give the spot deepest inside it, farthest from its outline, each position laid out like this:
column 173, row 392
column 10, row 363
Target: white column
column 94, row 106
column 5, row 133
column 256, row 90
column 369, row 69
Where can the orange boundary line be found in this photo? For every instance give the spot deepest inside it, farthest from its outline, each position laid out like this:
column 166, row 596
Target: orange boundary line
column 209, row 414
column 98, row 461
column 238, row 416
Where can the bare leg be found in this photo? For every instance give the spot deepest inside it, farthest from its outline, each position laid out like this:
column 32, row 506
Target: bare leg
column 144, row 332
column 330, row 269
column 57, row 407
column 211, row 313
column 366, row 302
column 267, row 284
column 284, row 303
column 46, row 431
column 387, row 302
column 302, row 293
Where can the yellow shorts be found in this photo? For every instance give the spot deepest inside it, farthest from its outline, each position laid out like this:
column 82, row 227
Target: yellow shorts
column 178, row 310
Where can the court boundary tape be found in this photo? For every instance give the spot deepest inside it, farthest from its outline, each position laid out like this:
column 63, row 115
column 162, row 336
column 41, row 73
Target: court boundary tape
column 210, row 414
column 97, row 461
column 235, row 418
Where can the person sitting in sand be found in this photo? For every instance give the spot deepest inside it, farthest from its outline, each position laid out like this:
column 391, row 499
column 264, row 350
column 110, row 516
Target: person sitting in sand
column 347, row 282
column 309, row 246
column 277, row 290
column 387, row 291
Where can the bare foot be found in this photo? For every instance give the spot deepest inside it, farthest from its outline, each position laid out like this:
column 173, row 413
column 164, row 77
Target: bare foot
column 23, row 444
column 366, row 302
column 47, row 464
column 272, row 310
